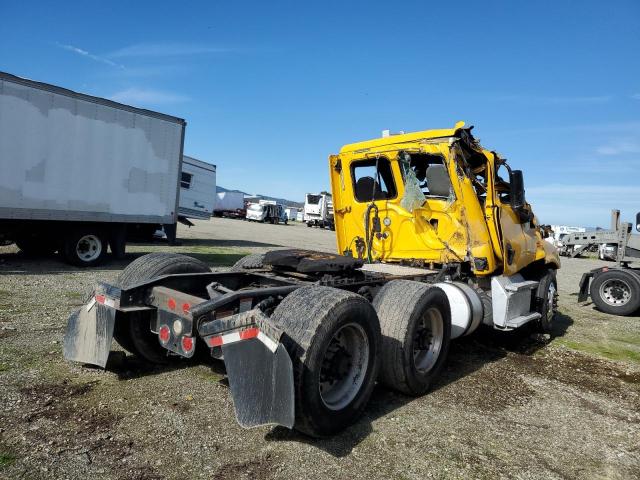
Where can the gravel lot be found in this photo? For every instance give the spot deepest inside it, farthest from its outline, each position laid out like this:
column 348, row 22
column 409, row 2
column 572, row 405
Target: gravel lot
column 507, row 406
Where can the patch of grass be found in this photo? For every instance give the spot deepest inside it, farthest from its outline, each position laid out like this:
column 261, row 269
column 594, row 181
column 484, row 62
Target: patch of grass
column 4, row 367
column 208, row 375
column 6, row 459
column 611, row 350
column 73, row 295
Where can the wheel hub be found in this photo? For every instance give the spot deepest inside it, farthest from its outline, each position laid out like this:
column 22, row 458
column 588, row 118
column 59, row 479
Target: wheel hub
column 344, row 366
column 88, row 248
column 615, row 292
column 427, row 340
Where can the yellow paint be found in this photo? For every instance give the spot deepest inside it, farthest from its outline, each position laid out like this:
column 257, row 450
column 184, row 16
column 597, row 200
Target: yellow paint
column 458, row 229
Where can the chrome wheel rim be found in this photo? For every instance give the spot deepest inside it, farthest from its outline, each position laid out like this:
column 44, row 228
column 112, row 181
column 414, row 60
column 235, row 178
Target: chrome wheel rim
column 615, row 292
column 427, row 340
column 88, row 248
column 344, row 366
column 552, row 304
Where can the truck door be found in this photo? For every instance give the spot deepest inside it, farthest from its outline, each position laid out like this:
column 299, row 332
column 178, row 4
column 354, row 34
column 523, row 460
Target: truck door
column 518, row 238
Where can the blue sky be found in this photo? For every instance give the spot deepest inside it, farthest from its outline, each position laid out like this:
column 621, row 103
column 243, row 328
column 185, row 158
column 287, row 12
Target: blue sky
column 270, row 89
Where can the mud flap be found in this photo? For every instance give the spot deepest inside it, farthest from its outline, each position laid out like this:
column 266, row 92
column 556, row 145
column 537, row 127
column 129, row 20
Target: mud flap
column 261, row 383
column 89, row 333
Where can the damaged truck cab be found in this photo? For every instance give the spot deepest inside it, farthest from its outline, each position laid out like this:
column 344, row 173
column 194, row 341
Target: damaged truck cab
column 434, row 197
column 435, row 238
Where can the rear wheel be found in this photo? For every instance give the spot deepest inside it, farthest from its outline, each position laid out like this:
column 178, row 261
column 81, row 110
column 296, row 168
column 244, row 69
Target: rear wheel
column 616, row 292
column 333, row 338
column 249, row 262
column 415, row 320
column 85, row 247
column 35, row 246
column 135, row 334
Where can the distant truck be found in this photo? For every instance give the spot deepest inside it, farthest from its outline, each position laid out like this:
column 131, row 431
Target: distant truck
column 318, row 210
column 230, row 204
column 266, row 211
column 197, row 189
column 79, row 174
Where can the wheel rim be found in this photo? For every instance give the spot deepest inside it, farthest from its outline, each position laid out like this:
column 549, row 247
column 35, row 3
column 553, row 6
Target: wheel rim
column 344, row 366
column 88, row 248
column 552, row 304
column 615, row 292
column 427, row 340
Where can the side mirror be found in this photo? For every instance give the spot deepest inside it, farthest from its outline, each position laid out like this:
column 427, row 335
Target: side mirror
column 517, row 190
column 638, row 221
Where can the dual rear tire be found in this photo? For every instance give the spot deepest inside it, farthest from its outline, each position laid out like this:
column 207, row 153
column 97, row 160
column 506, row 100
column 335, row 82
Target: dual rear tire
column 340, row 344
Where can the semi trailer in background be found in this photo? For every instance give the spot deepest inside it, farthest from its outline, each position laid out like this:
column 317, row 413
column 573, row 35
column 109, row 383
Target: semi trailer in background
column 230, row 204
column 82, row 173
column 197, row 189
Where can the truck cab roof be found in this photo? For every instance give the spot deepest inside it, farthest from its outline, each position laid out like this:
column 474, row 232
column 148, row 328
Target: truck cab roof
column 403, row 138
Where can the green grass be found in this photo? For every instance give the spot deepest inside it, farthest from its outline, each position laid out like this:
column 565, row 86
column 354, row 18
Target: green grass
column 613, row 350
column 6, row 459
column 73, row 295
column 4, row 367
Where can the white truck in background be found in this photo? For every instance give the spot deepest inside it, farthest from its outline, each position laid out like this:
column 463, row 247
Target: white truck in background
column 318, row 210
column 197, row 189
column 79, row 174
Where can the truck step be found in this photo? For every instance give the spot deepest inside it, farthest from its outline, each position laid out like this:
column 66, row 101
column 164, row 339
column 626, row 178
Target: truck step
column 522, row 319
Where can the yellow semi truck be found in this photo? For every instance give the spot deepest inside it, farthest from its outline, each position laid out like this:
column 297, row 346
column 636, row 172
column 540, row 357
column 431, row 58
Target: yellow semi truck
column 434, row 239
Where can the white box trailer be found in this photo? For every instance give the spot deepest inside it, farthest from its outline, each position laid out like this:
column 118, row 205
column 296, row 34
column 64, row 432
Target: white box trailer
column 230, row 204
column 197, row 189
column 79, row 172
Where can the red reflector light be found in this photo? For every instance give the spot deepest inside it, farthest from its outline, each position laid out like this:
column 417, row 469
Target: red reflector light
column 215, row 341
column 100, row 298
column 249, row 333
column 186, row 308
column 605, row 269
column 187, row 344
column 171, row 303
column 164, row 333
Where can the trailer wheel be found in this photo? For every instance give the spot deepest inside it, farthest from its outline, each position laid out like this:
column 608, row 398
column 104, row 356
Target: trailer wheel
column 249, row 262
column 135, row 334
column 35, row 246
column 416, row 329
column 333, row 338
column 616, row 292
column 547, row 301
column 85, row 247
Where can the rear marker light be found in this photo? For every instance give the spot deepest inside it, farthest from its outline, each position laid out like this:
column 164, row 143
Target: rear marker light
column 164, row 333
column 186, row 308
column 171, row 303
column 187, row 344
column 100, row 299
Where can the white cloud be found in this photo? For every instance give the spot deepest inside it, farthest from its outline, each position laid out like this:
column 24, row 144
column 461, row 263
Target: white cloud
column 141, row 96
column 86, row 54
column 619, row 147
column 165, row 50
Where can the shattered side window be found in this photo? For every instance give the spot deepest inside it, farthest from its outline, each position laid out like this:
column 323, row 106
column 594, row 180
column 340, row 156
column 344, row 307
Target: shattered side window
column 413, row 197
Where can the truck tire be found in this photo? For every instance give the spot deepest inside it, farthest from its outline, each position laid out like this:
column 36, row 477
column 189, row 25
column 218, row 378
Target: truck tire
column 415, row 320
column 85, row 247
column 34, row 246
column 616, row 292
column 333, row 338
column 547, row 301
column 134, row 334
column 249, row 262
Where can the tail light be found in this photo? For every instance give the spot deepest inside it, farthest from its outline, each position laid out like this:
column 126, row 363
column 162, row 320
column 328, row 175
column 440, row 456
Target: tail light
column 164, row 333
column 187, row 344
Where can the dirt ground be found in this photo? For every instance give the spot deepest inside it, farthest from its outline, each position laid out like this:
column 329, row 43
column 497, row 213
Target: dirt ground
column 507, row 406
